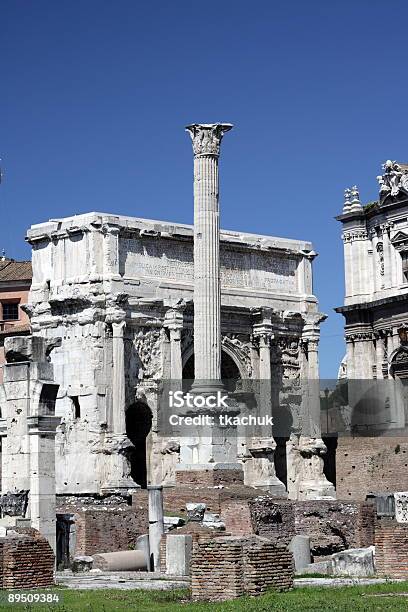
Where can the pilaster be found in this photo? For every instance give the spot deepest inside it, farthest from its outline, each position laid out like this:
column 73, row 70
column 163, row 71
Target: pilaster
column 173, row 323
column 110, row 251
column 260, row 470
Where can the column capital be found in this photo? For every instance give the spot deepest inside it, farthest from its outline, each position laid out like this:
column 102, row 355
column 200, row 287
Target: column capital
column 115, row 316
column 109, row 228
column 263, row 332
column 174, row 319
column 207, row 137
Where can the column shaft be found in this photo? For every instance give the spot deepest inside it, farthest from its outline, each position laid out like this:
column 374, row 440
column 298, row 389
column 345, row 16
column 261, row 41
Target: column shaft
column 118, row 386
column 176, row 364
column 207, row 290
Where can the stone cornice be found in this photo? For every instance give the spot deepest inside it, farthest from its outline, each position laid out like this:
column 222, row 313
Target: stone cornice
column 356, row 234
column 380, row 211
column 97, row 222
column 373, row 304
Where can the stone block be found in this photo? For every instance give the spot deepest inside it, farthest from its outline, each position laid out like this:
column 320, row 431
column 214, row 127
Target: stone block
column 300, row 549
column 171, row 522
column 401, row 506
column 384, row 503
column 195, row 512
column 213, row 521
column 24, row 348
column 178, row 554
column 319, row 567
column 82, row 564
column 211, row 517
column 356, row 562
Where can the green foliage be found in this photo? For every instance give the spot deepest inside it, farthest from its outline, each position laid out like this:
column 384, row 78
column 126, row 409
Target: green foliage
column 370, row 205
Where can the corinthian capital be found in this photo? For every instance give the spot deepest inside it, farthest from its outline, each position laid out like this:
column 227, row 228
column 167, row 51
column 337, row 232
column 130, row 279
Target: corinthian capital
column 207, row 137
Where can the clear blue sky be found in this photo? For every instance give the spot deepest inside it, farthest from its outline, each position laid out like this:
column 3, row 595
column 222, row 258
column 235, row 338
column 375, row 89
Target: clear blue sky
column 95, row 96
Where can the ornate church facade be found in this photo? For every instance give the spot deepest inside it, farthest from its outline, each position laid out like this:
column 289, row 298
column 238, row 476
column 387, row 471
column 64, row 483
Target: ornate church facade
column 375, row 310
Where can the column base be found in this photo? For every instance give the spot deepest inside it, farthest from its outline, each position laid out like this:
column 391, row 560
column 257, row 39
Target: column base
column 8, row 522
column 119, row 486
column 306, row 479
column 314, row 489
column 276, row 488
column 117, row 447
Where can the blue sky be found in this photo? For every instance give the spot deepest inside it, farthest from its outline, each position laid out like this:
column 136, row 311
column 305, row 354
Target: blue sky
column 95, row 96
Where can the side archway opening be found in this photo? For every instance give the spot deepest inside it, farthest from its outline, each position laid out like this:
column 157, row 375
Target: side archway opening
column 230, row 373
column 138, row 426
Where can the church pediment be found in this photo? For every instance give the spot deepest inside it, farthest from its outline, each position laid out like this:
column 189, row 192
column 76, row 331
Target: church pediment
column 399, row 237
column 400, row 242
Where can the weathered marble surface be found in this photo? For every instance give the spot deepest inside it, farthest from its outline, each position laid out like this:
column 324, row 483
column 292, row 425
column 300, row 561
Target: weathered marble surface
column 27, row 430
column 103, row 281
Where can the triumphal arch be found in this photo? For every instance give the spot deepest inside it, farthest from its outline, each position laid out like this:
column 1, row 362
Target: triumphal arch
column 115, row 294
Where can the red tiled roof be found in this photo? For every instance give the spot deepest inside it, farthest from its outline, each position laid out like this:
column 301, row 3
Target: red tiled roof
column 11, row 270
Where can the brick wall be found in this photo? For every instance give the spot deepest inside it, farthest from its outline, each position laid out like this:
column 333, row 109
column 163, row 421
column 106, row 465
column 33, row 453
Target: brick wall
column 217, row 571
column 335, row 525
column 209, row 478
column 108, row 530
column 391, row 548
column 266, row 566
column 332, row 525
column 236, row 515
column 108, row 525
column 273, row 519
column 365, row 465
column 26, row 561
column 229, row 567
column 196, row 530
column 175, row 498
column 263, row 515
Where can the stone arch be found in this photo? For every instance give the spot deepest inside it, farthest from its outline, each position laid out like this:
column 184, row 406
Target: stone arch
column 139, row 420
column 231, row 349
column 398, row 363
column 230, row 370
column 398, row 370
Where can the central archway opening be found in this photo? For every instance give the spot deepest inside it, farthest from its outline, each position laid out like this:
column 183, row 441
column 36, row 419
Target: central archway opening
column 229, row 371
column 138, row 425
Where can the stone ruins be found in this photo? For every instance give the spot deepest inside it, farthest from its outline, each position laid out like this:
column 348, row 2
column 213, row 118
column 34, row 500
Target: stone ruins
column 122, row 294
column 121, row 306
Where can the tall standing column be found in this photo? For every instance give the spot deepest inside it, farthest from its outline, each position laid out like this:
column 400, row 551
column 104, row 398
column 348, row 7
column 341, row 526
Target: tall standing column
column 207, row 290
column 208, row 449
